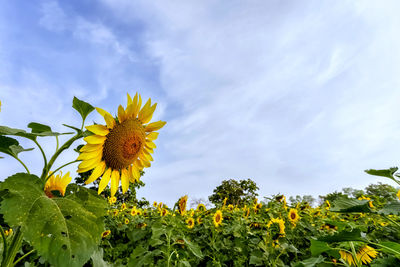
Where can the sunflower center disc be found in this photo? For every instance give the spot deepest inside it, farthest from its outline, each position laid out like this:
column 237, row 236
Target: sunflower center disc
column 123, row 144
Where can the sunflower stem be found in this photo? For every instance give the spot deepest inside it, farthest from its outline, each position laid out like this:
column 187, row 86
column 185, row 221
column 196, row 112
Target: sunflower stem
column 26, row 168
column 48, row 176
column 65, row 146
column 57, row 142
column 13, row 249
column 41, row 150
column 24, row 256
column 4, row 242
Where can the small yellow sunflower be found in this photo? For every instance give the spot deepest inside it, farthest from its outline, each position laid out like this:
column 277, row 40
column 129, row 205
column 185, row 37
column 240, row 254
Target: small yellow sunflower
column 164, row 212
column 201, row 207
column 123, row 206
column 366, row 253
column 347, row 257
column 190, row 222
column 182, row 204
column 293, row 216
column 120, row 149
column 281, row 225
column 218, row 218
column 155, row 204
column 57, row 183
column 199, row 220
column 398, row 194
column 105, row 233
column 134, row 211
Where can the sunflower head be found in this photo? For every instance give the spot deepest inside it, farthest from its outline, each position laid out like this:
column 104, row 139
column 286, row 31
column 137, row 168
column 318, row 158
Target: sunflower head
column 293, row 216
column 105, row 233
column 57, row 183
column 277, row 227
column 182, row 205
column 217, row 218
column 366, row 254
column 164, row 212
column 201, row 207
column 190, row 222
column 119, row 150
column 347, row 257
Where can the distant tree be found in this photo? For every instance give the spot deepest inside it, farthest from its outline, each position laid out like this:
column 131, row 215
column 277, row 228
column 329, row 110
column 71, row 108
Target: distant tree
column 196, row 201
column 331, row 197
column 353, row 193
column 128, row 196
column 236, row 192
column 381, row 193
column 302, row 199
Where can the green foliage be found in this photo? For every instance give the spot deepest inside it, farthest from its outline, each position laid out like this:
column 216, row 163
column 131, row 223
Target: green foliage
column 236, row 192
column 65, row 231
column 82, row 107
column 10, row 146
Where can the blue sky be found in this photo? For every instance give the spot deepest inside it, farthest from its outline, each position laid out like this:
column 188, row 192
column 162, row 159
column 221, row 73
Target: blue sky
column 299, row 96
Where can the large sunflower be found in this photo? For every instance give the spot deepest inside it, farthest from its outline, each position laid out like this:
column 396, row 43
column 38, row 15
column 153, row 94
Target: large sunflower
column 217, row 218
column 120, row 149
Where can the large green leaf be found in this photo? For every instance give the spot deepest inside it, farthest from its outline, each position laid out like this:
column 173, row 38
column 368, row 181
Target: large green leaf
column 310, row 262
column 346, row 205
column 82, row 107
column 10, row 146
column 65, row 231
column 389, row 247
column 354, row 235
column 385, row 173
column 391, row 208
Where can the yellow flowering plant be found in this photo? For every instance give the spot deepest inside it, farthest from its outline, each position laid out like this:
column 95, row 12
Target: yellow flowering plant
column 64, row 222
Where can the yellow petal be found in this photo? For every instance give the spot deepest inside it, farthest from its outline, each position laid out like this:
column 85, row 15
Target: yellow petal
column 152, row 136
column 89, row 147
column 121, row 114
column 99, row 170
column 124, row 180
column 104, row 180
column 150, row 144
column 146, row 163
column 90, row 162
column 107, row 117
column 137, row 101
column 89, row 155
column 135, row 174
column 114, row 182
column 129, row 111
column 130, row 175
column 146, row 156
column 144, row 110
column 95, row 139
column 129, row 100
column 80, row 170
column 154, row 126
column 98, row 129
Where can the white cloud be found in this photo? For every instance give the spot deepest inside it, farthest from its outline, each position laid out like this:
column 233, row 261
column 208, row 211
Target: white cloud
column 288, row 94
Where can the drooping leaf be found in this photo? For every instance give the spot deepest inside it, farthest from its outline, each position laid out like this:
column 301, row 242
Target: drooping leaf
column 194, row 248
column 38, row 127
column 82, row 107
column 310, row 262
column 385, row 173
column 391, row 248
column 354, row 235
column 346, row 205
column 10, row 146
column 317, row 247
column 390, row 208
column 65, row 231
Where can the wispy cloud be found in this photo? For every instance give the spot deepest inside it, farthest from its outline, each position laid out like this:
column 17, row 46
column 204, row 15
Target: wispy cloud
column 300, row 97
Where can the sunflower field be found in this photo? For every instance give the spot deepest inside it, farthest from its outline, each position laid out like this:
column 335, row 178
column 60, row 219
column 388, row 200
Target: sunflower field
column 48, row 221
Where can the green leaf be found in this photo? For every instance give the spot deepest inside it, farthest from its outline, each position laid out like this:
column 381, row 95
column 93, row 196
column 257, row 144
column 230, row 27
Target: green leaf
column 65, row 231
column 72, row 127
column 97, row 259
column 385, row 173
column 194, row 248
column 38, row 127
column 309, row 262
column 82, row 107
column 317, row 247
column 346, row 205
column 389, row 247
column 4, row 130
column 391, row 208
column 354, row 235
column 10, row 146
